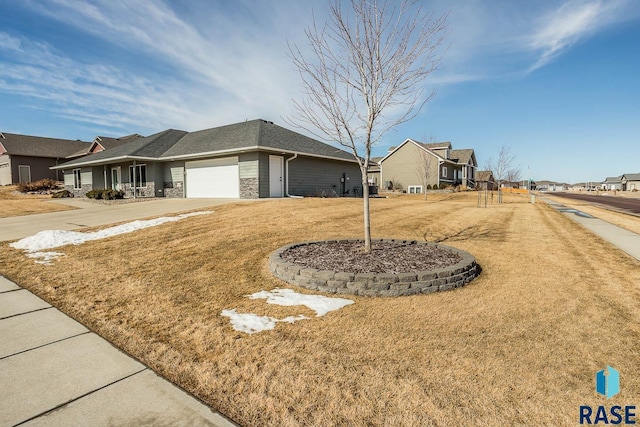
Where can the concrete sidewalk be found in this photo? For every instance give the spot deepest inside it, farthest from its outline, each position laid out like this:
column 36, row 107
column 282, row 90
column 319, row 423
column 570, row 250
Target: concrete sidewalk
column 55, row 372
column 626, row 240
column 90, row 214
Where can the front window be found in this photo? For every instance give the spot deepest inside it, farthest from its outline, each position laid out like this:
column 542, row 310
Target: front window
column 77, row 179
column 138, row 176
column 444, row 171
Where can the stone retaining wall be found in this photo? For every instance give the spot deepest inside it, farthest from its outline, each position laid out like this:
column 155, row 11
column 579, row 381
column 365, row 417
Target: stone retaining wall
column 376, row 284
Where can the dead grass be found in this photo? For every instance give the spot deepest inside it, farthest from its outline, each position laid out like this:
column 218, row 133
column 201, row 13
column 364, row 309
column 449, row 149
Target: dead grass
column 13, row 203
column 518, row 346
column 626, row 221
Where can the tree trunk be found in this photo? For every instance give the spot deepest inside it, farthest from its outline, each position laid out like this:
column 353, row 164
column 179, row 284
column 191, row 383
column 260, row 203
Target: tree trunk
column 367, row 217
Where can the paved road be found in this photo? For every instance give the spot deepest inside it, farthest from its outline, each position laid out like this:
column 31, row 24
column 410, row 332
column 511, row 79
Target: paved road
column 618, row 203
column 93, row 215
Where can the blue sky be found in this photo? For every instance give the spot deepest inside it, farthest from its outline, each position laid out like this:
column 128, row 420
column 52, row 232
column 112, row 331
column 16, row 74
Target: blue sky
column 556, row 81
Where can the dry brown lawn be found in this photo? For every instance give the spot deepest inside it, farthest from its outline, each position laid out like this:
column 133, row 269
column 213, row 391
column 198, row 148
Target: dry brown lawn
column 13, row 203
column 520, row 345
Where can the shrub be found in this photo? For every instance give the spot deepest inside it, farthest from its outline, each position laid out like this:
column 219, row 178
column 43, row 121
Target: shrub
column 105, row 194
column 46, row 184
column 62, row 194
column 443, row 185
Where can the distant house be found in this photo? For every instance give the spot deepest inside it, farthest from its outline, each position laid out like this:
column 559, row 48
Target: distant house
column 630, row 181
column 485, row 181
column 612, row 183
column 25, row 158
column 407, row 165
column 545, row 185
column 248, row 160
column 373, row 175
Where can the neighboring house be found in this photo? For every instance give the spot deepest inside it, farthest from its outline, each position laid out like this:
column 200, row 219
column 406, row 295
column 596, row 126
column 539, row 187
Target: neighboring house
column 25, row 158
column 373, row 175
column 485, row 181
column 406, row 165
column 247, row 160
column 546, row 185
column 612, row 183
column 630, row 181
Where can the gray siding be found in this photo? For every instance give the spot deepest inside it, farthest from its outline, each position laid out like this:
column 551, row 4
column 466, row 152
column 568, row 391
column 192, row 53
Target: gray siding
column 263, row 174
column 39, row 167
column 248, row 165
column 312, row 176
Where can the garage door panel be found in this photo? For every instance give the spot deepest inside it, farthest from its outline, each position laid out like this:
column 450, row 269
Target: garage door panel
column 216, row 178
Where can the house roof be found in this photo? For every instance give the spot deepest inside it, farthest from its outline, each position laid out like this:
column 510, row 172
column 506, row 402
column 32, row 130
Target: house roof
column 37, row 146
column 484, row 176
column 109, row 142
column 436, row 145
column 613, row 179
column 462, row 156
column 632, row 176
column 174, row 144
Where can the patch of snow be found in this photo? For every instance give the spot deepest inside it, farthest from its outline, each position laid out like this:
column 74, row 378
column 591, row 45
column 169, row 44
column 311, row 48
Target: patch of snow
column 251, row 323
column 288, row 297
column 49, row 239
column 45, row 257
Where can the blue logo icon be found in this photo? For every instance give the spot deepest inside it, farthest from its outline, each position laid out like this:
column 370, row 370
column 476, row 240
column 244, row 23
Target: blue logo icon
column 608, row 382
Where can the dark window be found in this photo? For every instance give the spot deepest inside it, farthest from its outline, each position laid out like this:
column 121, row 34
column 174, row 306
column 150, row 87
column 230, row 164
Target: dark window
column 138, row 174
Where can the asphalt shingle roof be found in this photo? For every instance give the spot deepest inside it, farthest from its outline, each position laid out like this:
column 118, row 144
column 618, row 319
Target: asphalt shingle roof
column 37, row 146
column 172, row 143
column 462, row 156
column 483, row 175
column 632, row 176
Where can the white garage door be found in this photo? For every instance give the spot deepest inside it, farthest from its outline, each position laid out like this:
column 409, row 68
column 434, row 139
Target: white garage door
column 213, row 178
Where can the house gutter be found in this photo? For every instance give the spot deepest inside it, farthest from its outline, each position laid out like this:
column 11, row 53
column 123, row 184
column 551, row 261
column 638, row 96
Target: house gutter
column 286, row 171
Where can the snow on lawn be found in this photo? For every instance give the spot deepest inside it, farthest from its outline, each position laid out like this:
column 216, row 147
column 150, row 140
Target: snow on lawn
column 49, row 239
column 287, row 297
column 251, row 323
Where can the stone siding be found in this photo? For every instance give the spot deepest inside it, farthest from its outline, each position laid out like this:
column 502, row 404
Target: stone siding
column 174, row 190
column 148, row 191
column 376, row 284
column 79, row 192
column 249, row 188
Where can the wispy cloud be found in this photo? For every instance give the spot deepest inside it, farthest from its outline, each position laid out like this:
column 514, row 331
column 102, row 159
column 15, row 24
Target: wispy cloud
column 205, row 68
column 565, row 26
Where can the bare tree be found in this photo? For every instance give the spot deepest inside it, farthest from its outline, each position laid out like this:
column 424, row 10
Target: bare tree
column 501, row 168
column 425, row 169
column 363, row 74
column 514, row 175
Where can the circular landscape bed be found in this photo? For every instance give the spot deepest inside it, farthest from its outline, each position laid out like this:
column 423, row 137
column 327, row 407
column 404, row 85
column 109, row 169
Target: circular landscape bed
column 393, row 268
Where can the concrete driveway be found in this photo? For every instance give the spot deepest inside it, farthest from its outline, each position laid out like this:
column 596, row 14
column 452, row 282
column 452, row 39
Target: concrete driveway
column 90, row 214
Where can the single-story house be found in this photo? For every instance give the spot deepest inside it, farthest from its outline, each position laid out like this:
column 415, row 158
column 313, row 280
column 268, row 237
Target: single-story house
column 248, row 160
column 413, row 165
column 485, row 181
column 26, row 158
column 545, row 185
column 630, row 181
column 612, row 183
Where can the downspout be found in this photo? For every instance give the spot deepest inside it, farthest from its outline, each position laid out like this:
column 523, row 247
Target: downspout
column 286, row 181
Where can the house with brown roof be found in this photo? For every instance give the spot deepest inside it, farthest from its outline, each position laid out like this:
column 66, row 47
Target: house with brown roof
column 412, row 166
column 485, row 181
column 26, row 158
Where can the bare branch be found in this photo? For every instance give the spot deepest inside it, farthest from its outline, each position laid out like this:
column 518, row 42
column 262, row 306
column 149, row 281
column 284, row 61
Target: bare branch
column 363, row 72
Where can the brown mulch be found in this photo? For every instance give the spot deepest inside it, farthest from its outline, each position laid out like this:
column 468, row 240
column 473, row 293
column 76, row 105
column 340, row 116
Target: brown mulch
column 385, row 257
